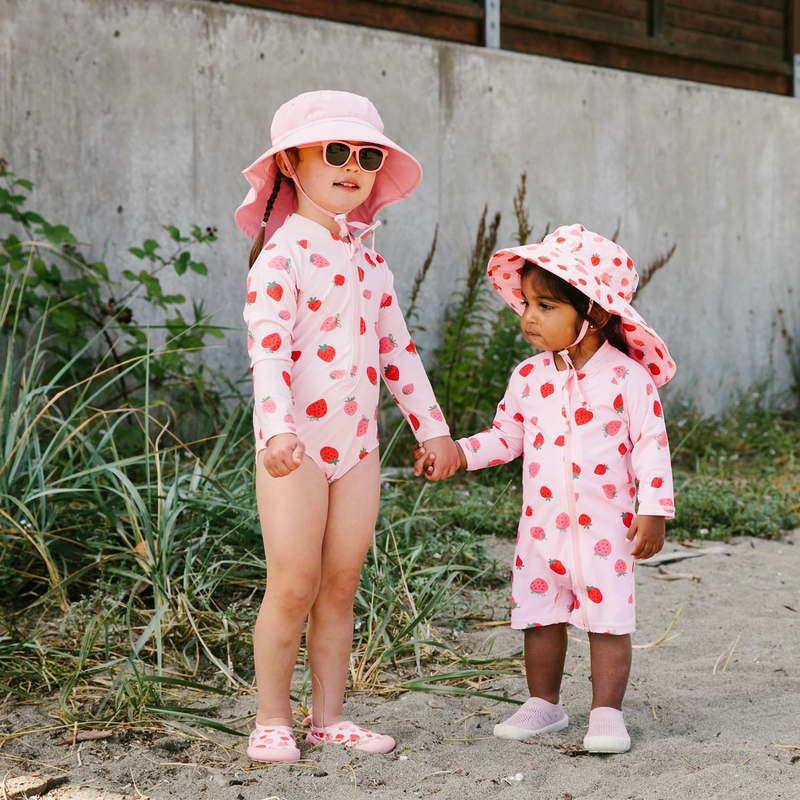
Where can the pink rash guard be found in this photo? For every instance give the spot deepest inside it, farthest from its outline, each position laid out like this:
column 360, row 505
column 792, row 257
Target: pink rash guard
column 321, row 326
column 572, row 563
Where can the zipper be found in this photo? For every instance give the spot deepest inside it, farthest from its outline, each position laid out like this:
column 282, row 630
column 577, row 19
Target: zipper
column 356, row 350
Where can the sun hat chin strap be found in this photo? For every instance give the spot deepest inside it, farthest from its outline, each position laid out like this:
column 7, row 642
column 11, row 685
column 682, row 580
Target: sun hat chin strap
column 571, row 372
column 347, row 229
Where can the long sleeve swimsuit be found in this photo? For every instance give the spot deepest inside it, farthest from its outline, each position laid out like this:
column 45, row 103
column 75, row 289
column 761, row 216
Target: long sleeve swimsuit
column 587, row 442
column 322, row 323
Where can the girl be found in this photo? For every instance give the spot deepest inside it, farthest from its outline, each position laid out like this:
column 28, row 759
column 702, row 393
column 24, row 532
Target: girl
column 586, row 417
column 322, row 322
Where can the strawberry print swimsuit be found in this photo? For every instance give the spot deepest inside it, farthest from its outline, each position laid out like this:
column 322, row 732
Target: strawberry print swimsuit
column 587, row 439
column 323, row 323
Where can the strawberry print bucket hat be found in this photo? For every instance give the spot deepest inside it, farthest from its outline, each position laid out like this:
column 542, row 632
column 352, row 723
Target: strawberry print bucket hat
column 602, row 270
column 316, row 117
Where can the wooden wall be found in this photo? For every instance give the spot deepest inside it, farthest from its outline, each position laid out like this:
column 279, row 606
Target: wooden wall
column 747, row 44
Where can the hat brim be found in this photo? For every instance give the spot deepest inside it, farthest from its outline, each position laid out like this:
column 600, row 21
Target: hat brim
column 505, row 270
column 396, row 180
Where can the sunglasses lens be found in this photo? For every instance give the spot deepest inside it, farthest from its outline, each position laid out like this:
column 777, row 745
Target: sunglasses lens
column 337, row 154
column 370, row 158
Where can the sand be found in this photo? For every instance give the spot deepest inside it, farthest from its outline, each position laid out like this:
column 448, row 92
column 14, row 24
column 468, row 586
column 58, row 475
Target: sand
column 712, row 713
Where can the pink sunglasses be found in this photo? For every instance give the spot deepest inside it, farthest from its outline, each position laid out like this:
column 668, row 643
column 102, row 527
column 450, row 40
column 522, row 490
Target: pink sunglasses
column 370, row 157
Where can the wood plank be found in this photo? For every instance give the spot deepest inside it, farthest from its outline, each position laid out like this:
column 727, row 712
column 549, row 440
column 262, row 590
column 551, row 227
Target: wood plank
column 718, row 45
column 635, row 9
column 458, row 25
column 732, row 9
column 658, row 22
column 728, row 28
column 793, row 29
column 639, row 60
column 577, row 18
column 778, row 5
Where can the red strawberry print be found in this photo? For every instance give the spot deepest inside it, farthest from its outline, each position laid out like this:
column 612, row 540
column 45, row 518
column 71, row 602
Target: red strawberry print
column 610, row 490
column 386, row 300
column 337, row 374
column 657, row 408
column 612, row 428
column 618, row 406
column 595, row 260
column 654, row 369
column 314, row 304
column 594, row 594
column 437, row 415
column 526, row 370
column 601, row 469
column 296, row 355
column 557, row 566
column 319, row 261
column 362, row 453
column 268, row 405
column 582, row 416
column 496, row 462
column 514, row 604
column 576, row 471
column 546, row 493
column 271, row 342
column 534, row 468
column 547, row 389
column 279, row 262
column 621, row 373
column 362, row 426
column 649, row 389
column 623, row 448
column 360, row 275
column 284, row 315
column 251, row 297
column 528, row 511
column 329, row 455
column 661, row 440
column 372, row 375
column 627, row 519
column 621, row 568
column 338, row 280
column 562, row 522
column 411, row 348
column 275, row 290
column 350, row 406
column 603, row 548
column 368, row 259
column 326, row 353
column 538, row 534
column 391, row 372
column 518, row 563
column 386, row 344
column 585, row 520
column 559, row 442
column 414, row 422
column 539, row 586
column 303, row 243
column 538, row 441
column 657, row 483
column 666, row 502
column 287, row 379
column 518, row 417
column 362, row 326
column 250, row 340
column 317, row 410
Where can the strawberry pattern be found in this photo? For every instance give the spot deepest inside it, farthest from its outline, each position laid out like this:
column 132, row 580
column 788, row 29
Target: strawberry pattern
column 581, row 480
column 321, row 327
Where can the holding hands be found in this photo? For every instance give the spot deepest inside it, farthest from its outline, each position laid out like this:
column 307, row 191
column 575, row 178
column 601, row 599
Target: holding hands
column 438, row 458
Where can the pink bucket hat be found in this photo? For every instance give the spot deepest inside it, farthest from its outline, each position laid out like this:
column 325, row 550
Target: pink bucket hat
column 602, row 270
column 322, row 117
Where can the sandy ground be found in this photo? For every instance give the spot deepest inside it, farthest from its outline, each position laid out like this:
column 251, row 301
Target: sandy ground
column 712, row 713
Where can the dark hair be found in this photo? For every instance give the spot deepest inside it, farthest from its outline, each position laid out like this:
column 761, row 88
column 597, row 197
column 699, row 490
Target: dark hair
column 258, row 245
column 563, row 291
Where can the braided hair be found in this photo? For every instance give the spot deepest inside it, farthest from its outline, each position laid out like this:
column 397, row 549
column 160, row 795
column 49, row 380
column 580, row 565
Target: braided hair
column 258, row 245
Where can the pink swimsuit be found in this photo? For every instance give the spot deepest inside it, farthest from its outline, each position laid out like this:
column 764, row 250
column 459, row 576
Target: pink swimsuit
column 580, row 460
column 323, row 323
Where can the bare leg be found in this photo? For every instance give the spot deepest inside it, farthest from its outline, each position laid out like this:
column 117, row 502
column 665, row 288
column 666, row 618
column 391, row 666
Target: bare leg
column 545, row 652
column 611, row 667
column 292, row 510
column 352, row 513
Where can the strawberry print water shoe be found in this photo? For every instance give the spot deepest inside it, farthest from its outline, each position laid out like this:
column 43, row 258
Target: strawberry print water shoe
column 607, row 732
column 350, row 735
column 271, row 743
column 534, row 716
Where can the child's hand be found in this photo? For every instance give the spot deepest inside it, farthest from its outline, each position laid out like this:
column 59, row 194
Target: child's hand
column 284, row 454
column 438, row 458
column 649, row 534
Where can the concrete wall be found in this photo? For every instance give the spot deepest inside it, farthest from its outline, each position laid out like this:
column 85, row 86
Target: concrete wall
column 132, row 113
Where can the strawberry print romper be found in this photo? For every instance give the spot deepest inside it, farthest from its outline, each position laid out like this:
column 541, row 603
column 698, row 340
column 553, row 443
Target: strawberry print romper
column 581, row 467
column 323, row 323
